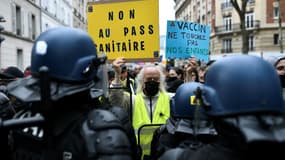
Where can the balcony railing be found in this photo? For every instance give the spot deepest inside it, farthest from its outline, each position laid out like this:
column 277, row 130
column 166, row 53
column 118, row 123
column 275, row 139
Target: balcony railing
column 226, row 5
column 230, row 50
column 250, row 1
column 236, row 27
column 226, row 50
column 251, row 48
column 252, row 24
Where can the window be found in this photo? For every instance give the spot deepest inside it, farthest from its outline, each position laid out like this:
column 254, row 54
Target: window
column 251, row 45
column 198, row 19
column 33, row 26
column 275, row 12
column 227, row 46
column 68, row 21
column 249, row 20
column 55, row 8
column 18, row 21
column 46, row 27
column 275, row 39
column 63, row 15
column 227, row 23
column 20, row 58
column 226, row 4
column 45, row 4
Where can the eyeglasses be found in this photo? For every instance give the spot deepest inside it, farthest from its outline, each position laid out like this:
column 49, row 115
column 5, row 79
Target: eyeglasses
column 280, row 68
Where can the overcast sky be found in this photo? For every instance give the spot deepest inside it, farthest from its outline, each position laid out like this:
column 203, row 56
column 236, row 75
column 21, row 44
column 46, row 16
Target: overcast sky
column 166, row 12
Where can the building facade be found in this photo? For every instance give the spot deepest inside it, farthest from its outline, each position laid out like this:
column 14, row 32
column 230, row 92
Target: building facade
column 261, row 20
column 79, row 14
column 21, row 27
column 55, row 13
column 24, row 20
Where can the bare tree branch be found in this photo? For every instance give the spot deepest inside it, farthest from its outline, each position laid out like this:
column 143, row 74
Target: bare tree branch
column 241, row 12
column 236, row 6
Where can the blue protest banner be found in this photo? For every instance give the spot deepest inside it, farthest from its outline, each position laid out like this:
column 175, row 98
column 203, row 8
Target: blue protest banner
column 187, row 39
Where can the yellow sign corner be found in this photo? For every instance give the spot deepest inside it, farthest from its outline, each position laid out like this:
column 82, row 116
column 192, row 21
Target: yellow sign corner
column 127, row 29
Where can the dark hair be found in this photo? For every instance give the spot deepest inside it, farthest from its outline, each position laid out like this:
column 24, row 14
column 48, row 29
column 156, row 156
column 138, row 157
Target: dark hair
column 195, row 71
column 11, row 73
column 179, row 71
column 111, row 74
column 124, row 69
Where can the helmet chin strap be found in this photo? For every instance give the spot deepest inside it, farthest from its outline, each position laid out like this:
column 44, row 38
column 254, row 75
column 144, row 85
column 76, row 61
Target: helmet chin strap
column 45, row 88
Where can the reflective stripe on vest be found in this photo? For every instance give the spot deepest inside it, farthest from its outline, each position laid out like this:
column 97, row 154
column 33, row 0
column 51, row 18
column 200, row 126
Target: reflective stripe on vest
column 141, row 117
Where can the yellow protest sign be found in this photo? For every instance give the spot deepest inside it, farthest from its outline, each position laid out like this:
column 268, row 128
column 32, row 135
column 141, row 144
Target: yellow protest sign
column 122, row 28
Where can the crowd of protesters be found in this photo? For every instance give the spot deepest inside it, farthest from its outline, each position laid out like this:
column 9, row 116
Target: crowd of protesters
column 231, row 108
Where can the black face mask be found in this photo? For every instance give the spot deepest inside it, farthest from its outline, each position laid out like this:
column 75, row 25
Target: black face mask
column 170, row 79
column 282, row 80
column 151, row 88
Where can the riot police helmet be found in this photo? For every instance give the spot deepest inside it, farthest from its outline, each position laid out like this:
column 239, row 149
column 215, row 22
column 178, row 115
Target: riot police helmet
column 72, row 63
column 244, row 84
column 67, row 52
column 187, row 100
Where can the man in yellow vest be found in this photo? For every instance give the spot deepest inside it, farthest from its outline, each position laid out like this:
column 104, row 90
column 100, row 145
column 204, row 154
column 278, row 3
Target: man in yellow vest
column 150, row 104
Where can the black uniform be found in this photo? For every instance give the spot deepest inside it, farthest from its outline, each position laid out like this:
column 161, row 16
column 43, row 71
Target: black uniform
column 188, row 125
column 247, row 109
column 74, row 131
column 241, row 144
column 179, row 133
column 5, row 113
column 66, row 88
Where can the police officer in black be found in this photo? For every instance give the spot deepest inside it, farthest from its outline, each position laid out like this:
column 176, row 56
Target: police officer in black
column 7, row 110
column 188, row 125
column 247, row 110
column 78, row 124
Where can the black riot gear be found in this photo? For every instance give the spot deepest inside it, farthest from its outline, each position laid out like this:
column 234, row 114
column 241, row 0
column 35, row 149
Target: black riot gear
column 188, row 125
column 248, row 111
column 78, row 123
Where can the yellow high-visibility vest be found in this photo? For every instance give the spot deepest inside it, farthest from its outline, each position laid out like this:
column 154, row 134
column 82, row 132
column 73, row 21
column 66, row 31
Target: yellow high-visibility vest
column 132, row 81
column 141, row 117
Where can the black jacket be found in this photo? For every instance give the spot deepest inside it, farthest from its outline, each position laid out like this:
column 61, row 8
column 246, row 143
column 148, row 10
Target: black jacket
column 231, row 145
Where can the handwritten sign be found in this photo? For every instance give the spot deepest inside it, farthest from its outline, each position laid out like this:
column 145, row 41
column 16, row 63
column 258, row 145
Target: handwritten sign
column 187, row 39
column 122, row 28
